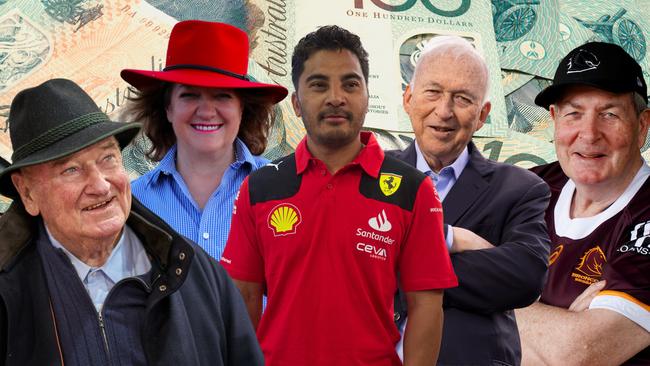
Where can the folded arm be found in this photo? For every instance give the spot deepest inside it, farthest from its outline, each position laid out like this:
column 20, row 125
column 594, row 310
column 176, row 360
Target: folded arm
column 556, row 336
column 512, row 273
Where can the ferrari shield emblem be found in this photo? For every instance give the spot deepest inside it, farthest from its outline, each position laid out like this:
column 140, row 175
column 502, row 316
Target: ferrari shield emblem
column 389, row 183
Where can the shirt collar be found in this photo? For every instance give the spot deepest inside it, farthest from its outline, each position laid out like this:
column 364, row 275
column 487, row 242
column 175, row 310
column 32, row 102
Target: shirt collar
column 369, row 158
column 242, row 154
column 456, row 167
column 126, row 256
column 167, row 165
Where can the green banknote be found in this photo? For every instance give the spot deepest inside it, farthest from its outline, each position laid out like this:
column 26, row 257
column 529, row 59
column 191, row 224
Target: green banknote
column 518, row 148
column 512, row 80
column 623, row 22
column 572, row 33
column 524, row 116
column 394, row 33
column 527, row 33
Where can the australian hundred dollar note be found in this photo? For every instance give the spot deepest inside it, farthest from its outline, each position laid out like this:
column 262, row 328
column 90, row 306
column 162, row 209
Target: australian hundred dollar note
column 393, row 35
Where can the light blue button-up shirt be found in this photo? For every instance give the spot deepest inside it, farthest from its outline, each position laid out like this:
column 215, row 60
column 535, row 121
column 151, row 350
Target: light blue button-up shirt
column 164, row 192
column 443, row 180
column 128, row 259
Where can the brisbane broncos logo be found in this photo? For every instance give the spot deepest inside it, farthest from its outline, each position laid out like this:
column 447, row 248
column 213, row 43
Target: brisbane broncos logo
column 590, row 268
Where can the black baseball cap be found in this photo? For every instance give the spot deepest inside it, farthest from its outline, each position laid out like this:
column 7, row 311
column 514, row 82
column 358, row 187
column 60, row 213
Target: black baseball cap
column 602, row 65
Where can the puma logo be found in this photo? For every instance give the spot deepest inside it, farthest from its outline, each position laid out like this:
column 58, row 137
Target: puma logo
column 276, row 166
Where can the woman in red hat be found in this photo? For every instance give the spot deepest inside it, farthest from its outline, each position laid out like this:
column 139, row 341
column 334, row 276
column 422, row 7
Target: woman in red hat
column 208, row 124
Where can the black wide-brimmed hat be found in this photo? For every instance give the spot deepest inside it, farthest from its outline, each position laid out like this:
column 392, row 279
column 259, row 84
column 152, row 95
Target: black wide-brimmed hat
column 602, row 65
column 53, row 120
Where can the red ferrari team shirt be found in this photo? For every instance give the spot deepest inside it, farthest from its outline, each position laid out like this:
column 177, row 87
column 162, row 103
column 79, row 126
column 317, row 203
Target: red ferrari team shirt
column 328, row 249
column 613, row 246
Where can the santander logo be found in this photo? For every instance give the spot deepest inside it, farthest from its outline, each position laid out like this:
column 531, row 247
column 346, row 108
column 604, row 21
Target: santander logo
column 380, row 223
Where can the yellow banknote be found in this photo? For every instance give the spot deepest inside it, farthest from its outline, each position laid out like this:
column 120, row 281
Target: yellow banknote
column 89, row 44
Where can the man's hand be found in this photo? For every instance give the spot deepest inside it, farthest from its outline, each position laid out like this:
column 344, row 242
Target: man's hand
column 582, row 302
column 466, row 240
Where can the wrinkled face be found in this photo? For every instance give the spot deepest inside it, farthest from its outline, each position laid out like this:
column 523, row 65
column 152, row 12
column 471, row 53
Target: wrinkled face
column 332, row 98
column 445, row 105
column 205, row 120
column 81, row 197
column 598, row 135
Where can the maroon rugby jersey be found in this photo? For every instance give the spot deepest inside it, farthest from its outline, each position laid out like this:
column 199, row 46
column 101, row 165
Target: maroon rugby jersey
column 613, row 245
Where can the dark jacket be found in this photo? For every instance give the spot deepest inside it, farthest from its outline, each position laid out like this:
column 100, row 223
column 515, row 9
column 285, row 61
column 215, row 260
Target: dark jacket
column 505, row 205
column 193, row 316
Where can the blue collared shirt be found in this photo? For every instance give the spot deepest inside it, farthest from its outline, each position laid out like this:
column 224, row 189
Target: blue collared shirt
column 164, row 192
column 443, row 180
column 128, row 259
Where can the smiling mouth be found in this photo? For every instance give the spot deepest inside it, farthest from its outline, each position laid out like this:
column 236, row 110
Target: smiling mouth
column 98, row 205
column 441, row 129
column 207, row 128
column 590, row 156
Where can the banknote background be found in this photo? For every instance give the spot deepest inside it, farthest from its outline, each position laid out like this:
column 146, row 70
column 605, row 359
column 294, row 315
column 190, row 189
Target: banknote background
column 90, row 41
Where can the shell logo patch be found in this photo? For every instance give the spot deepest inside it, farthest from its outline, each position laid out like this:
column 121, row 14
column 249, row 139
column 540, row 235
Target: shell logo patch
column 389, row 183
column 284, row 219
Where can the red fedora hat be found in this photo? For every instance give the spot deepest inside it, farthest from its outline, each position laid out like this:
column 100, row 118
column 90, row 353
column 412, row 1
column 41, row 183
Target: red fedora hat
column 205, row 54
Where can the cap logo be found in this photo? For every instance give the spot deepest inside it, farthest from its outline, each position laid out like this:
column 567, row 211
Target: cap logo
column 582, row 61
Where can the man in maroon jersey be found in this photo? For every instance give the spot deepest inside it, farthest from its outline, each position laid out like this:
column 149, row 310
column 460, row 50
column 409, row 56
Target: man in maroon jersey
column 595, row 307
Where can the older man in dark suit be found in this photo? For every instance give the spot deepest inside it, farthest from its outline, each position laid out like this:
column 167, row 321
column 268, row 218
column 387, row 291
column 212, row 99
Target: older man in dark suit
column 493, row 212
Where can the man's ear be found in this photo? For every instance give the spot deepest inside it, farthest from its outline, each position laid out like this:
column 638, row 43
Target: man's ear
column 23, row 186
column 644, row 122
column 552, row 111
column 296, row 104
column 406, row 99
column 483, row 115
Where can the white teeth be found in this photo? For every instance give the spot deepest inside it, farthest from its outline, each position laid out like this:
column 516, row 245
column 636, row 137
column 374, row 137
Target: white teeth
column 206, row 127
column 96, row 206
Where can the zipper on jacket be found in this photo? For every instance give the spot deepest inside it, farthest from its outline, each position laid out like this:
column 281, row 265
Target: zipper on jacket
column 103, row 329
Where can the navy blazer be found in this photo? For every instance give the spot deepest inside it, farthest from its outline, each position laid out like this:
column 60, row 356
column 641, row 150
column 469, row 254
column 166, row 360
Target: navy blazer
column 505, row 205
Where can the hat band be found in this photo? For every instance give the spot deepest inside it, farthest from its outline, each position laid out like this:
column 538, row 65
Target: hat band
column 206, row 68
column 56, row 134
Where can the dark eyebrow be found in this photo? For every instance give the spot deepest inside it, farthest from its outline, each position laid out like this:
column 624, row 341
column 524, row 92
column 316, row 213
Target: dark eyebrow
column 316, row 77
column 348, row 76
column 352, row 75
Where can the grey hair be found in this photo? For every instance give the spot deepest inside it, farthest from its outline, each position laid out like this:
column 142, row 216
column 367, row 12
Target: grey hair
column 455, row 47
column 640, row 104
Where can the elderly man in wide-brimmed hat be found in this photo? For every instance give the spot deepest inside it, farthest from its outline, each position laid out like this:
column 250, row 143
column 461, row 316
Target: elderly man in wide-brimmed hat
column 88, row 277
